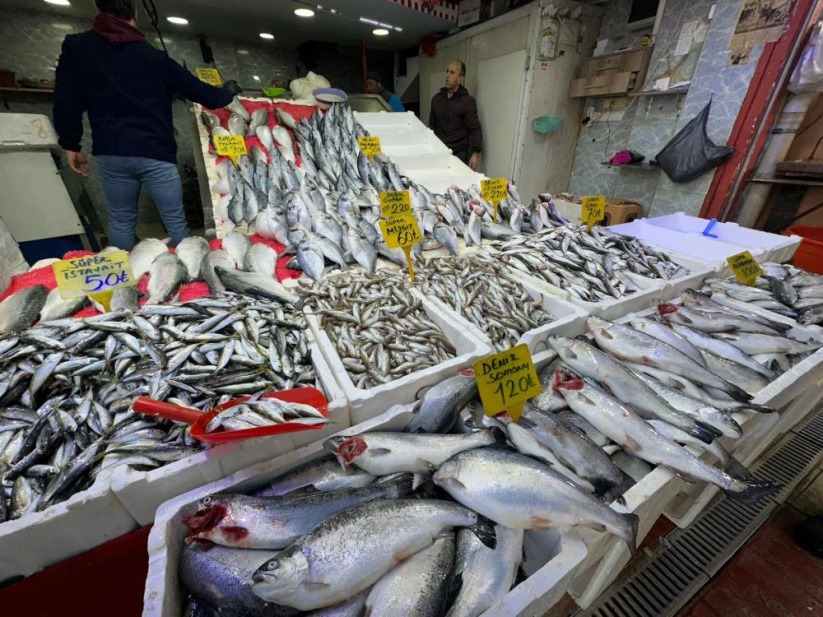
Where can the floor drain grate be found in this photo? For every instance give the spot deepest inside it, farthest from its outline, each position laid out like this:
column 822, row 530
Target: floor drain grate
column 682, row 562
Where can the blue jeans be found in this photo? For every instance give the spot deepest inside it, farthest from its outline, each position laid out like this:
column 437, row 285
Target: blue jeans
column 122, row 177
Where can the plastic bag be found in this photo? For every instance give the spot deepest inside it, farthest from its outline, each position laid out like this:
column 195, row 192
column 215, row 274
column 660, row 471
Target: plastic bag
column 691, row 153
column 302, row 87
column 808, row 74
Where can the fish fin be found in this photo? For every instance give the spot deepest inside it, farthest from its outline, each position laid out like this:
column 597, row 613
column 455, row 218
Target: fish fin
column 605, row 334
column 403, row 555
column 499, row 436
column 704, row 432
column 631, row 540
column 540, row 523
column 631, row 445
column 737, row 470
column 484, row 530
column 739, row 394
column 453, row 483
column 759, row 408
column 520, row 575
column 397, row 484
column 648, row 361
column 379, row 451
column 755, row 490
column 316, row 586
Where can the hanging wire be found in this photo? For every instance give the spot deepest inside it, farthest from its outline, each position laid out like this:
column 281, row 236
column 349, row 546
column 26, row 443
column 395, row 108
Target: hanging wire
column 151, row 11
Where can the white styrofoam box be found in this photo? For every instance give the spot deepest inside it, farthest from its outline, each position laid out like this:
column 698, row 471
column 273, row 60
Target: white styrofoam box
column 693, row 245
column 570, row 210
column 650, row 290
column 434, row 166
column 26, row 131
column 163, row 596
column 401, row 134
column 86, row 520
column 551, row 559
column 698, row 272
column 141, row 492
column 365, row 404
column 776, row 247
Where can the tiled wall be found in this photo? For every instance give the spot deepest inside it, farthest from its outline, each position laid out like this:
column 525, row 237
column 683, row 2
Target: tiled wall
column 648, row 123
column 31, row 44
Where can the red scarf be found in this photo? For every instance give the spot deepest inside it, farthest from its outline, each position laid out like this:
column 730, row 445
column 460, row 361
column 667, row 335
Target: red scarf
column 116, row 30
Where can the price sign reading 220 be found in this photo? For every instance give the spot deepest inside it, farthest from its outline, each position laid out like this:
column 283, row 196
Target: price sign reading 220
column 97, row 273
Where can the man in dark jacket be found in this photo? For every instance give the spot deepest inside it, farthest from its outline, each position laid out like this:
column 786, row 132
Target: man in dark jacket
column 126, row 87
column 453, row 116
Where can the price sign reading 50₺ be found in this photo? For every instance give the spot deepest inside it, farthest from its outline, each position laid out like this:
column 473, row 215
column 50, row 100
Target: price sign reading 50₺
column 209, row 76
column 506, row 381
column 745, row 268
column 494, row 191
column 369, row 146
column 594, row 210
column 393, row 203
column 85, row 276
column 232, row 146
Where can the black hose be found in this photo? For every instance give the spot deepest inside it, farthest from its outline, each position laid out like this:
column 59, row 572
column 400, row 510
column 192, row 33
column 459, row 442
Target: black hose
column 151, row 11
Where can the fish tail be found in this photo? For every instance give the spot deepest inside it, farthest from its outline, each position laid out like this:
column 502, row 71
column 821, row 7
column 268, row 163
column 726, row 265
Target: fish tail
column 737, row 470
column 754, row 490
column 738, row 393
column 397, row 485
column 704, row 432
column 759, row 408
column 629, row 531
column 484, row 530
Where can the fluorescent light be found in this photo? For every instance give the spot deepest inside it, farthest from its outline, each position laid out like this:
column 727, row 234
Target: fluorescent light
column 255, row 78
column 243, row 52
column 180, row 21
column 266, row 35
column 304, row 12
column 59, row 2
column 380, row 24
column 380, row 32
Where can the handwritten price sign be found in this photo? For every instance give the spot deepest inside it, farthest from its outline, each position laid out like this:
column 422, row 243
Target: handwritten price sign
column 745, row 268
column 506, row 381
column 594, row 210
column 209, row 76
column 85, row 276
column 370, row 146
column 393, row 203
column 402, row 232
column 232, row 146
column 494, row 191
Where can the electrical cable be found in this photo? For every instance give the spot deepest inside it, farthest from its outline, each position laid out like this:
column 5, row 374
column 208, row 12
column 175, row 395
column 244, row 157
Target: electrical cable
column 151, row 12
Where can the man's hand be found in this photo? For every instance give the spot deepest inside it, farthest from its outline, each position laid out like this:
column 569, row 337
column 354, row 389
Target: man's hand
column 473, row 161
column 78, row 162
column 233, row 87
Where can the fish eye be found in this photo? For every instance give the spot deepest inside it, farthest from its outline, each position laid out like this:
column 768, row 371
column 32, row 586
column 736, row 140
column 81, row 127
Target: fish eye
column 207, row 501
column 272, row 565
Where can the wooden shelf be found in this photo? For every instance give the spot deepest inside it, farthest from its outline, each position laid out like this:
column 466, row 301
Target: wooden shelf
column 44, row 90
column 671, row 91
column 767, row 179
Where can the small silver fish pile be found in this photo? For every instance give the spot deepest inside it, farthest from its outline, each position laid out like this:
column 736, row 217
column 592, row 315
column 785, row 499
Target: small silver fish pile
column 379, row 329
column 257, row 411
column 590, row 266
column 782, row 289
column 67, row 386
column 481, row 289
column 365, row 536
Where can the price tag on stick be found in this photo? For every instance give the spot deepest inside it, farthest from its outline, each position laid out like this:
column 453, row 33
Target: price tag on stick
column 495, row 191
column 232, row 146
column 402, row 232
column 370, row 146
column 745, row 268
column 506, row 381
column 96, row 276
column 209, row 76
column 594, row 210
column 393, row 203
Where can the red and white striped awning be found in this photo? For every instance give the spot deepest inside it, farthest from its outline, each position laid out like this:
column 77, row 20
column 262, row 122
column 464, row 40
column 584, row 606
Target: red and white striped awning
column 436, row 8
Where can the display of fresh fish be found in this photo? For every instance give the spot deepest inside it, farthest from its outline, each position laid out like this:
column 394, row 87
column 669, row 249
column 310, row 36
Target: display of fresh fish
column 214, row 259
column 260, row 258
column 58, row 308
column 236, row 245
column 166, row 275
column 192, row 251
column 142, row 256
column 440, row 405
column 255, row 284
column 20, row 310
column 323, row 475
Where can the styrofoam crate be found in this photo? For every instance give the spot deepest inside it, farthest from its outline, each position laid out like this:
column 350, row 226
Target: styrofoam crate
column 141, row 492
column 86, row 520
column 650, row 290
column 446, row 165
column 698, row 272
column 696, row 246
column 397, row 122
column 776, row 247
column 552, row 557
column 365, row 404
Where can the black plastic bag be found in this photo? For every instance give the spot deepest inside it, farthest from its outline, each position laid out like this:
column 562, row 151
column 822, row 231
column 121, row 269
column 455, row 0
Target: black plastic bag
column 690, row 153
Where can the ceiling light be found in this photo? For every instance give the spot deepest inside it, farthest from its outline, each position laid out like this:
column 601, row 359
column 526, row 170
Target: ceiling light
column 266, row 35
column 255, row 78
column 243, row 52
column 59, row 2
column 380, row 32
column 304, row 12
column 180, row 21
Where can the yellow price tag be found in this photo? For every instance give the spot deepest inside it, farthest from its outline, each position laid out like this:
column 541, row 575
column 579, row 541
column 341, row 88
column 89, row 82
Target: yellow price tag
column 232, row 146
column 402, row 232
column 745, row 268
column 506, row 381
column 85, row 276
column 370, row 146
column 594, row 210
column 494, row 191
column 393, row 203
column 209, row 76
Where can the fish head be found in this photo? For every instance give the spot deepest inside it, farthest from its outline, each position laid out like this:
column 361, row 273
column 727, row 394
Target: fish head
column 346, row 449
column 564, row 346
column 566, row 380
column 211, row 513
column 692, row 296
column 281, row 576
column 596, row 323
column 666, row 308
column 447, row 476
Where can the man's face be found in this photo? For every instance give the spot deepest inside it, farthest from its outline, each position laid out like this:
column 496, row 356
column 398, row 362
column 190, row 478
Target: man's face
column 372, row 87
column 453, row 77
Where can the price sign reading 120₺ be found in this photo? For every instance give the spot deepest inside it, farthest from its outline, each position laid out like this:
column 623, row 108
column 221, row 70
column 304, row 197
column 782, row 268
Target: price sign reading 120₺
column 232, row 146
column 369, row 145
column 402, row 232
column 506, row 381
column 745, row 268
column 594, row 210
column 393, row 203
column 86, row 276
column 209, row 76
column 494, row 191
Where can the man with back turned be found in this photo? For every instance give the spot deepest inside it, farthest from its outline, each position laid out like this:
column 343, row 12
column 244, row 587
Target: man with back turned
column 453, row 116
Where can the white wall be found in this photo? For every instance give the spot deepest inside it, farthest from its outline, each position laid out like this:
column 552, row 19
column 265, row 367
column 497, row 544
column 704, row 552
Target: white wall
column 543, row 162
